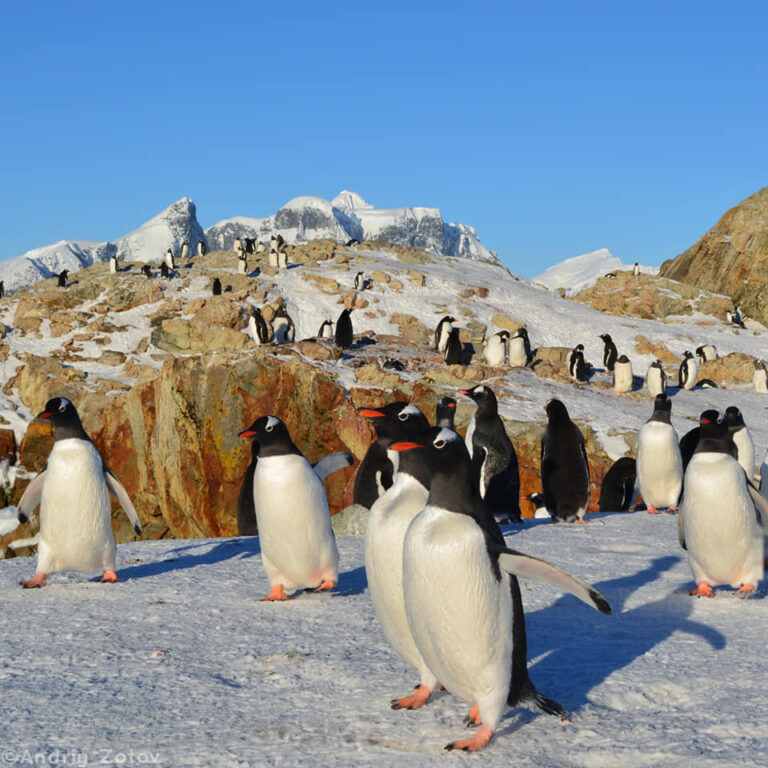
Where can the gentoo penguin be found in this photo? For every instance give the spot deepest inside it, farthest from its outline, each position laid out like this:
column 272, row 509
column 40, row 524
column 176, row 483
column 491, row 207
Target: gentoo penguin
column 73, row 494
column 353, row 241
column 721, row 516
column 705, row 353
column 216, row 286
column 164, row 271
column 200, row 248
column 741, row 439
column 564, row 466
column 326, row 330
column 377, row 469
column 359, row 282
column 519, row 348
column 283, row 328
column 282, row 259
column 237, row 245
column 622, row 375
column 298, row 548
column 242, row 264
column 442, row 332
column 279, row 243
column 184, row 250
column 445, row 411
column 686, row 375
column 690, row 440
column 656, row 379
column 610, row 275
column 636, row 269
column 392, row 365
column 273, row 260
column 576, row 365
column 344, row 334
column 146, row 270
column 610, row 353
column 764, row 476
column 760, row 378
column 540, row 509
column 659, row 464
column 62, row 278
column 494, row 461
column 462, row 598
column 2, row 288
column 260, row 247
column 261, row 326
column 169, row 259
column 496, row 349
column 113, row 264
column 453, row 348
column 618, row 489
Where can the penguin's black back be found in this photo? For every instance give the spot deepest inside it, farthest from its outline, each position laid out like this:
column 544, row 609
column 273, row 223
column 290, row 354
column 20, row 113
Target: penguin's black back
column 453, row 348
column 344, row 334
column 216, row 286
column 618, row 486
column 262, row 331
column 246, row 512
column 610, row 353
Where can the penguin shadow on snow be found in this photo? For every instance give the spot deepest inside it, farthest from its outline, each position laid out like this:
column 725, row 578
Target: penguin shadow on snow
column 575, row 652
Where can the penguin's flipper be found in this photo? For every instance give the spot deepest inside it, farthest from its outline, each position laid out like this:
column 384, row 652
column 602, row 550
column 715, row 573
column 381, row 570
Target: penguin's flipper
column 331, row 463
column 681, row 526
column 532, row 568
column 760, row 502
column 31, row 497
column 118, row 491
column 19, row 543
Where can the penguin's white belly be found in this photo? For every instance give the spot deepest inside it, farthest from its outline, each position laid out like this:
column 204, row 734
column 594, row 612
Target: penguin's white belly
column 689, row 377
column 459, row 614
column 659, row 465
column 760, row 382
column 75, row 530
column 654, row 382
column 622, row 377
column 327, row 332
column 495, row 352
column 764, row 476
column 388, row 521
column 722, row 536
column 746, row 451
column 442, row 342
column 517, row 352
column 297, row 543
column 468, row 437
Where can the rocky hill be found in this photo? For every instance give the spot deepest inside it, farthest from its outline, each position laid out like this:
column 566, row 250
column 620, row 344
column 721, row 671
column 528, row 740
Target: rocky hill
column 732, row 257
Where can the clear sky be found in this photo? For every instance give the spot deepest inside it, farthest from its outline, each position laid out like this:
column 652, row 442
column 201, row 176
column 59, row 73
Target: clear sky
column 554, row 128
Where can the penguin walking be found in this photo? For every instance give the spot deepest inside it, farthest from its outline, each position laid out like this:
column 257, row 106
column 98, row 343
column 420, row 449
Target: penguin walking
column 721, row 516
column 659, row 463
column 706, row 353
column 617, row 493
column 656, row 379
column 519, row 348
column 169, row 260
column 298, row 547
column 686, row 374
column 462, row 598
column 216, row 288
column 73, row 494
column 453, row 349
column 113, row 264
column 344, row 334
column 62, row 278
column 201, row 248
column 442, row 332
column 760, row 378
column 326, row 330
column 610, row 353
column 494, row 461
column 184, row 250
column 622, row 375
column 745, row 448
column 496, row 349
column 445, row 411
column 564, row 466
column 360, row 282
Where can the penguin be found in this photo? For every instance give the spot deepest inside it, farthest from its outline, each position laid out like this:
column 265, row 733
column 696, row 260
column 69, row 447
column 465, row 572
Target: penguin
column 326, row 330
column 496, row 349
column 169, row 259
column 258, row 328
column 273, row 259
column 2, row 288
column 690, row 440
column 164, row 271
column 745, row 449
column 656, row 379
column 706, row 384
column 659, row 463
column 377, row 470
column 728, row 316
column 764, row 476
column 253, row 330
column 282, row 259
column 494, row 461
column 578, row 349
column 298, row 547
column 760, row 378
column 113, row 264
column 200, row 248
column 279, row 243
column 617, row 493
column 706, row 353
column 237, row 245
column 353, row 241
column 610, row 275
column 445, row 411
column 242, row 264
column 462, row 598
column 260, row 248
column 62, row 278
column 453, row 349
column 283, row 329
column 146, row 270
column 636, row 269
column 564, row 466
column 577, row 367
column 540, row 509
column 686, row 375
column 610, row 353
column 184, row 250
column 392, row 365
column 519, row 348
column 216, row 286
column 622, row 375
column 273, row 243
column 249, row 245
column 359, row 282
column 73, row 493
column 721, row 516
column 442, row 332
column 737, row 319
column 344, row 335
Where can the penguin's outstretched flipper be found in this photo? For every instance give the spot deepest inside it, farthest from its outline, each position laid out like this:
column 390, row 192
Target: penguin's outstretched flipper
column 331, row 463
column 118, row 491
column 31, row 498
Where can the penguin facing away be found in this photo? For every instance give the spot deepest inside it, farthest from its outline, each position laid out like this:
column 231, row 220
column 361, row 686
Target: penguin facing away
column 610, row 353
column 216, row 288
column 745, row 448
column 62, row 278
column 445, row 411
column 686, row 375
column 519, row 348
column 618, row 489
column 462, row 598
column 297, row 543
column 344, row 334
column 622, row 375
column 453, row 348
column 656, row 379
column 442, row 332
column 164, row 271
column 496, row 350
column 73, row 493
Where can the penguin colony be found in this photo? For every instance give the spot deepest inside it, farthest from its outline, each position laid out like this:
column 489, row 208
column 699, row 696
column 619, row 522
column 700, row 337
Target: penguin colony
column 436, row 561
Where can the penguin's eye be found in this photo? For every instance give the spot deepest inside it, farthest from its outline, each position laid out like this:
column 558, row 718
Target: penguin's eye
column 62, row 406
column 439, row 444
column 268, row 428
column 403, row 416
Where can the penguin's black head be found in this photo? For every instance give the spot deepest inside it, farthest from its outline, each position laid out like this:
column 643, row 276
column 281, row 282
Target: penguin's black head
column 714, row 435
column 272, row 435
column 623, row 359
column 504, row 334
column 556, row 411
column 605, row 337
column 687, row 354
column 483, row 396
column 63, row 415
column 397, row 420
column 448, row 319
column 733, row 417
column 446, row 402
column 535, row 498
column 662, row 403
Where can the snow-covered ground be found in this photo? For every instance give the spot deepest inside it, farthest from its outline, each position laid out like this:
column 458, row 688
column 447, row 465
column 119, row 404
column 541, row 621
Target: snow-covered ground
column 179, row 664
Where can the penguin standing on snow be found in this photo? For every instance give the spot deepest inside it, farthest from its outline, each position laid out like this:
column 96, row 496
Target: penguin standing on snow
column 519, row 348
column 359, row 282
column 686, row 375
column 494, row 461
column 326, row 330
column 659, row 463
column 453, row 349
column 496, row 349
column 442, row 332
column 564, row 466
column 610, row 353
column 721, row 516
column 760, row 378
column 618, row 489
column 741, row 439
column 73, row 494
column 540, row 508
column 298, row 548
column 283, row 328
column 622, row 375
column 462, row 598
column 705, row 353
column 656, row 379
column 344, row 333
column 576, row 365
column 445, row 411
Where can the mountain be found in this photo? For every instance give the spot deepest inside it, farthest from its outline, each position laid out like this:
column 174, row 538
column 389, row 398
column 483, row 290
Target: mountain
column 732, row 257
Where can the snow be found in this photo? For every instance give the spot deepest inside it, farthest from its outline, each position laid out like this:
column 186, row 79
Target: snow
column 666, row 681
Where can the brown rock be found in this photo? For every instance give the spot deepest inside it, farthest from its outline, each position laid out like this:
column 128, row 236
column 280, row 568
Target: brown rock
column 36, row 445
column 380, row 277
column 735, row 368
column 8, row 445
column 644, row 347
column 505, row 323
column 112, row 357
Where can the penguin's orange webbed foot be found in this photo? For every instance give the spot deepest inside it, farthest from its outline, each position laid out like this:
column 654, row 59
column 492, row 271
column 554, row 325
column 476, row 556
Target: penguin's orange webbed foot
column 745, row 589
column 703, row 590
column 326, row 586
column 418, row 698
column 581, row 521
column 652, row 510
column 478, row 741
column 277, row 593
column 37, row 582
column 109, row 577
column 473, row 718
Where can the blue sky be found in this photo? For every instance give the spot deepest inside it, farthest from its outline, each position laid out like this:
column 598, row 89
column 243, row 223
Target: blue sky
column 554, row 128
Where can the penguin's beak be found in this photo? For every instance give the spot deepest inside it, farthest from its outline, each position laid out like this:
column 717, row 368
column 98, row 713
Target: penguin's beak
column 404, row 446
column 465, row 392
column 44, row 415
column 247, row 433
column 369, row 413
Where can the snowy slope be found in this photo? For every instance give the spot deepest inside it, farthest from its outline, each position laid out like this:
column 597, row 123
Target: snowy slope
column 179, row 664
column 580, row 272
